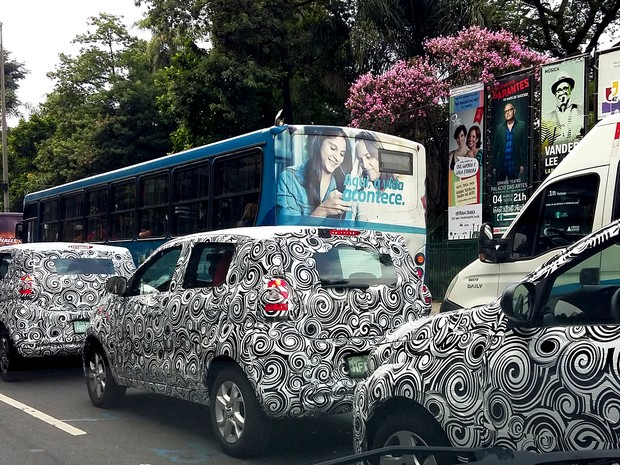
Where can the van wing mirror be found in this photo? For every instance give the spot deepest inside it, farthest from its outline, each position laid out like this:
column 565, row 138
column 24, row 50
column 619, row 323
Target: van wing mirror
column 487, row 247
column 517, row 302
column 116, row 285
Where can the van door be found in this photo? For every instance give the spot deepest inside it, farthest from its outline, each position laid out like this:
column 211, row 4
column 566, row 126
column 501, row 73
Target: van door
column 559, row 214
column 562, row 213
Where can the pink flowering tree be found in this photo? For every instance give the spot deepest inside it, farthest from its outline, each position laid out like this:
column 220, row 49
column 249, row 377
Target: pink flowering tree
column 411, row 98
column 414, row 93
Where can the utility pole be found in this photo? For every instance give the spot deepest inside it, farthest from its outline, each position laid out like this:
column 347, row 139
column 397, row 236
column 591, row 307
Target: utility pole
column 5, row 159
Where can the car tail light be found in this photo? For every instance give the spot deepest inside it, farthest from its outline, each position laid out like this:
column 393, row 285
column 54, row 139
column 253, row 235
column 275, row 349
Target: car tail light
column 426, row 295
column 276, row 298
column 26, row 287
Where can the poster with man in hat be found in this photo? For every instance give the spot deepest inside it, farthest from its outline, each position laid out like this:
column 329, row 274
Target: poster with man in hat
column 563, row 121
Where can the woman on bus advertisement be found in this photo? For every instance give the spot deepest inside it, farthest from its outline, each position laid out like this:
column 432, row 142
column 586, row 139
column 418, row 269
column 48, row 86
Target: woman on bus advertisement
column 314, row 188
column 343, row 172
column 465, row 161
column 379, row 197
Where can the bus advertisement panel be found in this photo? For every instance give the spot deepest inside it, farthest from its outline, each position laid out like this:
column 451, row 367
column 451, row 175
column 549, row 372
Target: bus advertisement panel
column 351, row 178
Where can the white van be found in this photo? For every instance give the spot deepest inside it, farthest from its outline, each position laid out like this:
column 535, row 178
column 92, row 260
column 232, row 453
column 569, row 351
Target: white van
column 579, row 196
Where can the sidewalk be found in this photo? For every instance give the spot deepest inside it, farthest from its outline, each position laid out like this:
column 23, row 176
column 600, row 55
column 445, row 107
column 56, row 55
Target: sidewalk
column 435, row 309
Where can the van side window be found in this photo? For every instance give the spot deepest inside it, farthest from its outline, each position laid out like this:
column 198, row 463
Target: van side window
column 559, row 216
column 208, row 266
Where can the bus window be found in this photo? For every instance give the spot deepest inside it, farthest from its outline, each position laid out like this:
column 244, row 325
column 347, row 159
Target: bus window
column 190, row 200
column 49, row 221
column 72, row 218
column 122, row 208
column 236, row 184
column 97, row 205
column 153, row 206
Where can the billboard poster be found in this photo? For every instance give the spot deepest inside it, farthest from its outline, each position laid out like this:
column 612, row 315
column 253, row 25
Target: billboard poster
column 465, row 161
column 608, row 84
column 562, row 110
column 509, row 158
column 346, row 177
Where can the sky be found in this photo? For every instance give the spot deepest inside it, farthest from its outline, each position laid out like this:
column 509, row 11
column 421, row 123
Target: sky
column 35, row 32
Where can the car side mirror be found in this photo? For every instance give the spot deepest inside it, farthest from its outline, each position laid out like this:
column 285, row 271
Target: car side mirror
column 487, row 247
column 116, row 285
column 517, row 302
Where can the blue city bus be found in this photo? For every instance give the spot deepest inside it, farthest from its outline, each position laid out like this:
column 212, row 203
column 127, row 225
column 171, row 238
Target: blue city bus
column 283, row 175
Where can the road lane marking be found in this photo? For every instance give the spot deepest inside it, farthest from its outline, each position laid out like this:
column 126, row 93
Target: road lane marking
column 42, row 416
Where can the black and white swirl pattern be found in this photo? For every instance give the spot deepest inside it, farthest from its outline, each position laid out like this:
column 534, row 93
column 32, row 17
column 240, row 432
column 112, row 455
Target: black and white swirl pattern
column 295, row 359
column 489, row 385
column 42, row 325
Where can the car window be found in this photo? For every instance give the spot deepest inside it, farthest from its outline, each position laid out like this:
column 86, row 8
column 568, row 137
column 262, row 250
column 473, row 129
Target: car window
column 587, row 293
column 208, row 265
column 347, row 265
column 65, row 266
column 156, row 275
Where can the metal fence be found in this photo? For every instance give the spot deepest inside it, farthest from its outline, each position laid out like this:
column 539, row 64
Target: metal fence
column 444, row 260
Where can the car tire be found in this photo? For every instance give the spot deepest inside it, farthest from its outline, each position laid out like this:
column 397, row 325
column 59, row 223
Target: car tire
column 406, row 428
column 102, row 388
column 8, row 358
column 239, row 424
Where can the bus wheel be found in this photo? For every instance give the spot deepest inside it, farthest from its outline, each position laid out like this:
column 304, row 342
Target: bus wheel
column 239, row 424
column 410, row 429
column 102, row 388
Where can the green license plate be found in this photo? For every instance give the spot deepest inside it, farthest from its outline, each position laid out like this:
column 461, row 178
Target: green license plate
column 80, row 326
column 358, row 366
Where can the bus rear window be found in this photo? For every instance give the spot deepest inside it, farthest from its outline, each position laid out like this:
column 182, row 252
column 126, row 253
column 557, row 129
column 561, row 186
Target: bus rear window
column 340, row 267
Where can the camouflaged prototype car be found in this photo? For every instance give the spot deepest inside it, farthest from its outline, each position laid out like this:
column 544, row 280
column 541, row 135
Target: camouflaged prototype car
column 258, row 323
column 48, row 293
column 536, row 370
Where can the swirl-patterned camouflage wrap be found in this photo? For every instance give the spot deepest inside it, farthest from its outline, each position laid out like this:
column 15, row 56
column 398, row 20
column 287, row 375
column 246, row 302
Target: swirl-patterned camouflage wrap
column 488, row 384
column 167, row 342
column 41, row 324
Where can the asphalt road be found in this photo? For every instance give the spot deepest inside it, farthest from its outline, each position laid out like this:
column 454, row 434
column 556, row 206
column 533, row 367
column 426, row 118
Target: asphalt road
column 47, row 419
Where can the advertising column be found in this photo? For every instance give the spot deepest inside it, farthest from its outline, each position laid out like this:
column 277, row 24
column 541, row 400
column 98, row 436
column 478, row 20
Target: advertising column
column 563, row 119
column 465, row 161
column 608, row 86
column 509, row 158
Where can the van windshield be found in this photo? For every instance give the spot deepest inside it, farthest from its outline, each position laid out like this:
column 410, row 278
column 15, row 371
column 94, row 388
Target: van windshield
column 347, row 266
column 66, row 266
